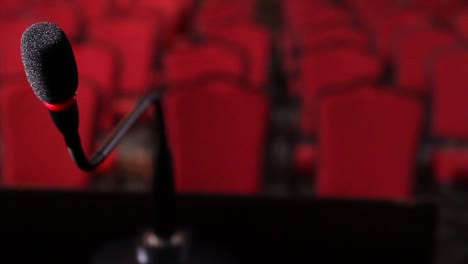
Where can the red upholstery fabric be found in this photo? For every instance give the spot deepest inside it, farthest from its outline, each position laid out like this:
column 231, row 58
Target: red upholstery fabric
column 35, row 154
column 443, row 9
column 10, row 52
column 136, row 41
column 450, row 164
column 11, row 8
column 168, row 14
column 370, row 12
column 188, row 61
column 388, row 28
column 215, row 13
column 317, row 39
column 449, row 107
column 414, row 51
column 324, row 68
column 63, row 14
column 303, row 19
column 94, row 10
column 98, row 65
column 338, row 34
column 256, row 41
column 122, row 7
column 216, row 134
column 449, row 119
column 323, row 71
column 461, row 24
column 368, row 145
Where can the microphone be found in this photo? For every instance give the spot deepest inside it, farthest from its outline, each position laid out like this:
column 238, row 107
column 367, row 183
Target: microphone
column 51, row 71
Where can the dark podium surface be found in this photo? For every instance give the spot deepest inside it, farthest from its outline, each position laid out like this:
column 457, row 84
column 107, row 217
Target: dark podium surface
column 72, row 226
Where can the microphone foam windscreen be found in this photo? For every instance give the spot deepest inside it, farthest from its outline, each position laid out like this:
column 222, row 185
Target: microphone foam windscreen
column 49, row 63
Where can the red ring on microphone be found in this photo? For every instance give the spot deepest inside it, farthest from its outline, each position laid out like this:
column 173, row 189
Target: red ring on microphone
column 61, row 106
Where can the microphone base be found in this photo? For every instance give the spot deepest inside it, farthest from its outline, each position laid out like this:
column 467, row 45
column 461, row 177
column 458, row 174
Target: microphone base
column 149, row 249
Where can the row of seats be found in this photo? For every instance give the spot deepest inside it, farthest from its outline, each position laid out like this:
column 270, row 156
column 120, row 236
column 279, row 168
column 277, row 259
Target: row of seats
column 362, row 97
column 411, row 48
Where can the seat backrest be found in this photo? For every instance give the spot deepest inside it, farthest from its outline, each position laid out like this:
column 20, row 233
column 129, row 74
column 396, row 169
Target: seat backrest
column 98, row 64
column 368, row 144
column 449, row 93
column 387, row 29
column 302, row 20
column 136, row 40
column 413, row 53
column 217, row 134
column 224, row 13
column 336, row 34
column 168, row 14
column 257, row 43
column 94, row 10
column 35, row 154
column 189, row 61
column 324, row 69
column 370, row 12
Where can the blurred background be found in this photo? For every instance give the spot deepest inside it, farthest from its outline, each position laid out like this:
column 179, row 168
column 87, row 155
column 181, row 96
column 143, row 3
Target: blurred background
column 362, row 99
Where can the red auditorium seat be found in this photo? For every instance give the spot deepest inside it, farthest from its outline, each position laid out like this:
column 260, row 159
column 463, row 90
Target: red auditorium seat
column 323, row 72
column 98, row 65
column 388, row 28
column 449, row 90
column 370, row 12
column 368, row 145
column 64, row 14
column 333, row 35
column 257, row 43
column 224, row 13
column 324, row 69
column 188, row 61
column 449, row 115
column 294, row 47
column 413, row 53
column 136, row 42
column 305, row 19
column 216, row 134
column 121, row 7
column 35, row 154
column 169, row 14
column 94, row 10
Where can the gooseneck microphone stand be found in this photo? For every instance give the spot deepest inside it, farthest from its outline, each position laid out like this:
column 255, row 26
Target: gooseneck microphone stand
column 163, row 244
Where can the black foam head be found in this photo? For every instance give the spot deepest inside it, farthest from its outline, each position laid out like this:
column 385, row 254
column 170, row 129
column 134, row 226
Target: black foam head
column 49, row 63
